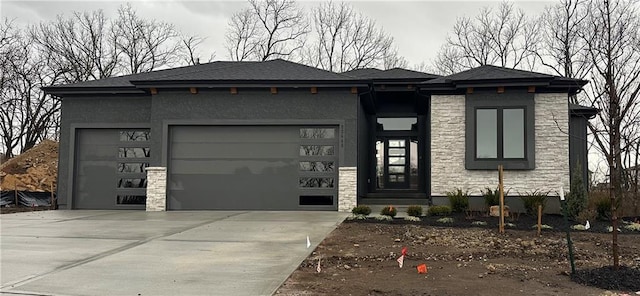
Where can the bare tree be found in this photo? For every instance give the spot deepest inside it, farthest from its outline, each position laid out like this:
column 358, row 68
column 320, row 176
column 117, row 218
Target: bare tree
column 79, row 46
column 242, row 36
column 563, row 51
column 145, row 45
column 191, row 55
column 27, row 115
column 611, row 40
column 505, row 38
column 84, row 46
column 268, row 29
column 344, row 40
column 391, row 59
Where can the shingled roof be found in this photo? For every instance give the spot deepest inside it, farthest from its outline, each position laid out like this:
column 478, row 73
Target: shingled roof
column 273, row 71
column 490, row 76
column 281, row 72
column 391, row 74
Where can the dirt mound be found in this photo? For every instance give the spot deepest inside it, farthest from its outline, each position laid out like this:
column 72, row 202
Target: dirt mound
column 34, row 170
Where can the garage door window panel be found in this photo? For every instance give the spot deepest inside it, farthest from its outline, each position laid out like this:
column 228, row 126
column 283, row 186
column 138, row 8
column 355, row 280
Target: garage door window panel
column 123, row 199
column 317, row 166
column 134, row 152
column 317, row 133
column 316, row 200
column 134, row 136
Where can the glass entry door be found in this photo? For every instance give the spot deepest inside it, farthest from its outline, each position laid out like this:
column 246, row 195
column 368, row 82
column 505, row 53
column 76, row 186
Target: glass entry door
column 393, row 163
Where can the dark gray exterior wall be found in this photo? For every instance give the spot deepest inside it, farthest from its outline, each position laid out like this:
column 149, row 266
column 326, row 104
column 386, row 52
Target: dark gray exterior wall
column 578, row 146
column 94, row 112
column 364, row 150
column 258, row 106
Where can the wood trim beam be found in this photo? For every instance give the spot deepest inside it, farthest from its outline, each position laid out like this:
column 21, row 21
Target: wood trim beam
column 469, row 90
column 314, row 90
column 500, row 89
column 193, row 90
column 274, row 90
column 233, row 90
column 531, row 89
column 153, row 90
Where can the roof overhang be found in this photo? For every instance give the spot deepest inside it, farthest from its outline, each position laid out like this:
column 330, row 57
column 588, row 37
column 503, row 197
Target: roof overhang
column 551, row 84
column 63, row 91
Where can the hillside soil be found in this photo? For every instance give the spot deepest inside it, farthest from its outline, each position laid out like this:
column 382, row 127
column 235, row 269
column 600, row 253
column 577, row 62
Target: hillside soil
column 36, row 170
column 360, row 258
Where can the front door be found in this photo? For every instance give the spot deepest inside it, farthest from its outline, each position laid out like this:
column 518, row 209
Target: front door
column 396, row 163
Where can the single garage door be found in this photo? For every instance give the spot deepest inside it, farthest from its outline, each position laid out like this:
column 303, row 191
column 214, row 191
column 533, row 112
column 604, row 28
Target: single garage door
column 253, row 168
column 110, row 168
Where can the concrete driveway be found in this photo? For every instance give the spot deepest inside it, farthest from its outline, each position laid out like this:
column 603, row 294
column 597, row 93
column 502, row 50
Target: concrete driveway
column 155, row 253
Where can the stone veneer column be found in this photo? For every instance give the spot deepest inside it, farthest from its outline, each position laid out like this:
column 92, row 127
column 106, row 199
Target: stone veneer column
column 347, row 188
column 156, row 189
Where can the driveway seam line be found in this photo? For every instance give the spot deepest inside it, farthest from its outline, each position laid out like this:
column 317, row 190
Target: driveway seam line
column 105, row 254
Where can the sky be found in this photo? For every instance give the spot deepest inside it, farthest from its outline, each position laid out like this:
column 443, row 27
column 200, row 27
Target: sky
column 418, row 27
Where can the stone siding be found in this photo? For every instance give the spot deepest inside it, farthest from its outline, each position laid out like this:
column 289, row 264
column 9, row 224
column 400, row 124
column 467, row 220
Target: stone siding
column 448, row 155
column 347, row 188
column 156, row 189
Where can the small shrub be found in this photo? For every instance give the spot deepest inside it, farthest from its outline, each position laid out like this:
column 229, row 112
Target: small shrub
column 610, row 229
column 412, row 219
column 491, row 197
column 414, row 211
column 458, row 200
column 445, row 220
column 579, row 227
column 587, row 215
column 361, row 210
column 439, row 210
column 478, row 223
column 603, row 208
column 514, row 216
column 532, row 199
column 577, row 199
column 389, row 211
column 357, row 217
column 632, row 226
column 384, row 218
column 543, row 226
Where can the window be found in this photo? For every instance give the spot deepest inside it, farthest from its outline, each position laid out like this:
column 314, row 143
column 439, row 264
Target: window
column 500, row 130
column 316, row 200
column 500, row 133
column 397, row 124
column 317, row 133
column 312, row 150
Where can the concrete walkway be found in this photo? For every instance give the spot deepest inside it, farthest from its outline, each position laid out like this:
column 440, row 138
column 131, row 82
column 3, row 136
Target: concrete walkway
column 155, row 253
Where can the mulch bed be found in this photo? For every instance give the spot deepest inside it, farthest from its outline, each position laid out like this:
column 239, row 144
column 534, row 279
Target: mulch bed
column 624, row 278
column 520, row 222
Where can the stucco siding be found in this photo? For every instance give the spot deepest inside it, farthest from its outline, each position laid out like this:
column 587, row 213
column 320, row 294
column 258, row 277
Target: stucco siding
column 93, row 112
column 448, row 149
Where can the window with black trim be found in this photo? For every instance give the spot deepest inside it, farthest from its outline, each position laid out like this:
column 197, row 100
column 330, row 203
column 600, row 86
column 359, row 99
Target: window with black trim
column 500, row 133
column 500, row 130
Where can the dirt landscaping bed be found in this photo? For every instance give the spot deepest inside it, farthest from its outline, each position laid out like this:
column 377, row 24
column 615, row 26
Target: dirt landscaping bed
column 359, row 258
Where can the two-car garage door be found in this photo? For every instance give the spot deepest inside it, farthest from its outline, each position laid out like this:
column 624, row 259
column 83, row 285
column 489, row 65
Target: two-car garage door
column 252, row 167
column 211, row 168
